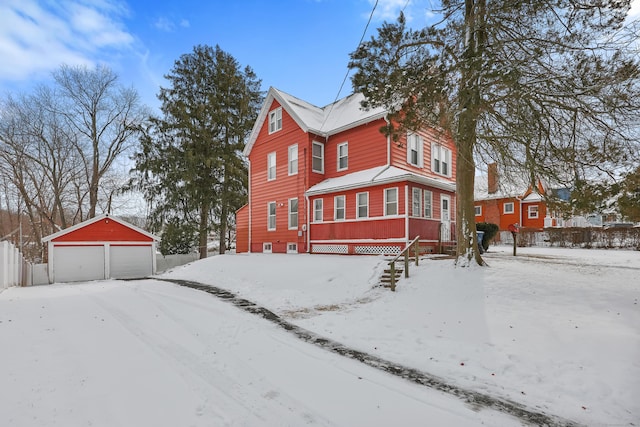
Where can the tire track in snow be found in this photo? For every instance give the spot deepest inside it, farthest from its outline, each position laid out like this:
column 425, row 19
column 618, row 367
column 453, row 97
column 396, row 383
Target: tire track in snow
column 473, row 398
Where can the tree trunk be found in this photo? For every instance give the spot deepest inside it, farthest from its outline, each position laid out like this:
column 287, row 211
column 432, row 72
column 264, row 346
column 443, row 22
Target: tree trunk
column 203, row 230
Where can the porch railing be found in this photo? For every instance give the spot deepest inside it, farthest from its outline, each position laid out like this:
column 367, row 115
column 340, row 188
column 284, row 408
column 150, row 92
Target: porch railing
column 415, row 245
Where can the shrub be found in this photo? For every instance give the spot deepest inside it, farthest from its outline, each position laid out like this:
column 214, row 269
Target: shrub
column 490, row 231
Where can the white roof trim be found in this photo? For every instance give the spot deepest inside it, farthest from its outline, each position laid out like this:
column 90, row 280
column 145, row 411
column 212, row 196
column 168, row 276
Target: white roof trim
column 93, row 220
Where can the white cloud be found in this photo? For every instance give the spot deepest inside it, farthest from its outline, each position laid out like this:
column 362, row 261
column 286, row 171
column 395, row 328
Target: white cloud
column 37, row 36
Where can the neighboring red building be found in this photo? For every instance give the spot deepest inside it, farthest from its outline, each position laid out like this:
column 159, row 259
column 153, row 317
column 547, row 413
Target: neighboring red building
column 503, row 203
column 326, row 180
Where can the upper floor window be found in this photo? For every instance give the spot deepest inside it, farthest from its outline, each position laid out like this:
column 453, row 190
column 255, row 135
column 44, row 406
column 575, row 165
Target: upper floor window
column 508, row 208
column 414, row 150
column 441, row 160
column 271, row 216
column 338, row 208
column 293, row 214
column 362, row 208
column 416, row 202
column 391, row 201
column 343, row 156
column 293, row 159
column 478, row 210
column 271, row 166
column 428, row 200
column 317, row 210
column 275, row 120
column 317, row 155
column 533, row 211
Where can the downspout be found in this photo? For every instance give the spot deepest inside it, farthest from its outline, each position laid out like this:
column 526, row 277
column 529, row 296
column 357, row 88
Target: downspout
column 406, row 212
column 307, row 232
column 249, row 201
column 388, row 143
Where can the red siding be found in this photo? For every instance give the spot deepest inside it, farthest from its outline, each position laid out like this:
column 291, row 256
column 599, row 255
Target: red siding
column 399, row 154
column 105, row 230
column 534, row 222
column 392, row 228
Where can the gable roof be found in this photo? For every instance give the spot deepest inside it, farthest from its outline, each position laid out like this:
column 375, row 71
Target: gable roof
column 375, row 176
column 336, row 117
column 93, row 221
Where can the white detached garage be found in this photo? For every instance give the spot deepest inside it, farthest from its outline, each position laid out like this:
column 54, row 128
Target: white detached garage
column 103, row 247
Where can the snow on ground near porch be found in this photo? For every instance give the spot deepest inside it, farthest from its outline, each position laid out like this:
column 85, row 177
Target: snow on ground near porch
column 555, row 329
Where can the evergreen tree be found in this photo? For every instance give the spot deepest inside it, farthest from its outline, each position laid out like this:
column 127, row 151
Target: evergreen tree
column 190, row 166
column 544, row 87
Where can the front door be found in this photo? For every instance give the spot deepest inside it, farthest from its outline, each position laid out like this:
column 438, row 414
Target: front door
column 445, row 217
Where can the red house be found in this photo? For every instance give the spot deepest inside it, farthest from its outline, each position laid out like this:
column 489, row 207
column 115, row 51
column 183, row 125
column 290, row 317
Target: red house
column 326, row 180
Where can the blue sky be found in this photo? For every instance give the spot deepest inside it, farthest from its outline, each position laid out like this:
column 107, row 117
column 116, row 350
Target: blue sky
column 299, row 46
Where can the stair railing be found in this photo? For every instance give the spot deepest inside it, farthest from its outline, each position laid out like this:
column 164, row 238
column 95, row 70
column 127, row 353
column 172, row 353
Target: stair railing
column 415, row 244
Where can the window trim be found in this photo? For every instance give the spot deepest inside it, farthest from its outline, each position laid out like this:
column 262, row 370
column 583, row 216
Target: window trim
column 346, row 157
column 358, row 206
column 424, row 205
column 504, row 208
column 275, row 119
column 418, row 191
column 477, row 210
column 275, row 206
column 291, row 160
column 264, row 248
column 437, row 152
column 321, row 145
column 335, row 207
column 290, row 250
column 537, row 212
column 290, row 213
column 415, row 139
column 270, row 156
column 315, row 210
column 386, row 202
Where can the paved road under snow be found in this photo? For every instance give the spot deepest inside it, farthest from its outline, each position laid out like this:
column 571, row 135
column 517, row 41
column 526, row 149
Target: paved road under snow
column 149, row 353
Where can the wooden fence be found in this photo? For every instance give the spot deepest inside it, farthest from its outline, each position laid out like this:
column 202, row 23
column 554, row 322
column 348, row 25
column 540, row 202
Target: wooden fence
column 14, row 270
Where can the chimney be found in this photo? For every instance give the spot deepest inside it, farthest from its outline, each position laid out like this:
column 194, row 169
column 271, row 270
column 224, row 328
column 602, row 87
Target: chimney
column 492, row 178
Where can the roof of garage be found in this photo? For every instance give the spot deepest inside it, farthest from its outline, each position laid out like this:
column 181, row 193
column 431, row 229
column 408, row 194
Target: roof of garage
column 102, row 228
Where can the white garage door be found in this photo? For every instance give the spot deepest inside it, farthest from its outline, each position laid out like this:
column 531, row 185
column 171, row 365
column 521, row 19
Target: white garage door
column 78, row 263
column 130, row 262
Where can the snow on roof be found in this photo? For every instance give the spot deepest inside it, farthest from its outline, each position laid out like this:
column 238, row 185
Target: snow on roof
column 375, row 176
column 331, row 119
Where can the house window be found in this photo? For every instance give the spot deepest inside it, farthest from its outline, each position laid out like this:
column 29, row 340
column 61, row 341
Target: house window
column 533, row 211
column 508, row 208
column 317, row 155
column 271, row 166
column 414, row 150
column 271, row 216
column 428, row 197
column 275, row 120
column 292, row 248
column 441, row 160
column 338, row 208
column 293, row 159
column 343, row 156
column 317, row 210
column 266, row 248
column 416, row 202
column 362, row 200
column 293, row 214
column 478, row 210
column 391, row 201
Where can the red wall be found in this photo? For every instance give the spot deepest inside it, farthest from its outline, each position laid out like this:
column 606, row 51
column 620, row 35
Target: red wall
column 105, row 230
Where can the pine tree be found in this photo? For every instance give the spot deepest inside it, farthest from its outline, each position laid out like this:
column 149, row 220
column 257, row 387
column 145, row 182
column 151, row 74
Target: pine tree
column 544, row 87
column 189, row 166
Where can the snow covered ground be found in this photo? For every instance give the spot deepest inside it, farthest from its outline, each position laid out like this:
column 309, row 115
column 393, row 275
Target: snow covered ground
column 557, row 330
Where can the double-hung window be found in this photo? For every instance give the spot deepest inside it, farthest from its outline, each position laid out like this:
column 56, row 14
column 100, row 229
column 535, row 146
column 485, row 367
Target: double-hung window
column 478, row 210
column 362, row 208
column 441, row 160
column 533, row 211
column 317, row 157
column 391, row 201
column 338, row 214
column 343, row 156
column 428, row 201
column 416, row 202
column 414, row 150
column 293, row 214
column 508, row 208
column 271, row 166
column 271, row 216
column 275, row 120
column 317, row 210
column 293, row 159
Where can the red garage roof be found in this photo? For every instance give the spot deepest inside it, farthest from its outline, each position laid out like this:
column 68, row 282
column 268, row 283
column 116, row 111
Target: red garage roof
column 103, row 228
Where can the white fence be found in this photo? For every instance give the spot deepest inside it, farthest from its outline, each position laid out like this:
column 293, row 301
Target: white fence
column 14, row 270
